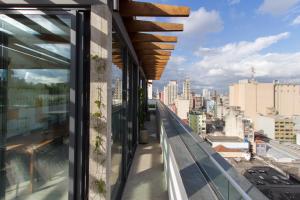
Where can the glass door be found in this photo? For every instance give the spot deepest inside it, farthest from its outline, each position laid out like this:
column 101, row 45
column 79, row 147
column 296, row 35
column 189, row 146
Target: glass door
column 35, row 67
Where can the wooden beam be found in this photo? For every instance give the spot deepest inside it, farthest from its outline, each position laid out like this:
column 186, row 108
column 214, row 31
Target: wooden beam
column 154, row 52
column 153, row 46
column 152, row 57
column 157, row 66
column 154, row 62
column 133, row 8
column 146, row 37
column 148, row 26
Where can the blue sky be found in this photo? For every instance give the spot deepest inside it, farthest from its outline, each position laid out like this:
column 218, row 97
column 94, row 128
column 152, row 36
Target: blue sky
column 224, row 39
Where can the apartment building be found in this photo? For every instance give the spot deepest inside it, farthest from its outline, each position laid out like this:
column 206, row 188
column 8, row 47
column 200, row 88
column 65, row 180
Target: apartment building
column 238, row 125
column 172, row 92
column 280, row 128
column 186, row 89
column 287, row 99
column 197, row 121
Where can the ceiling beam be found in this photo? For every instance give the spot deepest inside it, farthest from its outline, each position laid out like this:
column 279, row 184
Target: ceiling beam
column 146, row 37
column 131, row 8
column 154, row 52
column 149, row 26
column 152, row 57
column 151, row 62
column 153, row 46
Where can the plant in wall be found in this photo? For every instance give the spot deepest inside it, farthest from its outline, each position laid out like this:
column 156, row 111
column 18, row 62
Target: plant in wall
column 143, row 139
column 99, row 125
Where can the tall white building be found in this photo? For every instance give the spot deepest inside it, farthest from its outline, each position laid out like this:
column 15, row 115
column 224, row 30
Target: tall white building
column 166, row 96
column 236, row 124
column 182, row 108
column 117, row 93
column 172, row 92
column 186, row 89
column 150, row 89
column 206, row 93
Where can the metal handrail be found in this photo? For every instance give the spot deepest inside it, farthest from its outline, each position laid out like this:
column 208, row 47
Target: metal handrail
column 228, row 177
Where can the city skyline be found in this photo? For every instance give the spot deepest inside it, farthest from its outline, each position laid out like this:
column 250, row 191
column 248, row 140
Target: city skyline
column 223, row 41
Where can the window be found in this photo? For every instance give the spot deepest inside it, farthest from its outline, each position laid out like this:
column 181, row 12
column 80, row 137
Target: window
column 38, row 71
column 35, row 66
column 117, row 113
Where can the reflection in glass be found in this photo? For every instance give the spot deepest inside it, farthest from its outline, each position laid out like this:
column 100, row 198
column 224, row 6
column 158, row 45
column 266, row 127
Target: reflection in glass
column 117, row 130
column 34, row 106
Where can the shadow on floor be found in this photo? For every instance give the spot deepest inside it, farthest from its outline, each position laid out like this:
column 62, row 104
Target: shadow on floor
column 146, row 177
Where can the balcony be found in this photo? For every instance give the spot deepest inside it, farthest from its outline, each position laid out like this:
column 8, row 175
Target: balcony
column 183, row 166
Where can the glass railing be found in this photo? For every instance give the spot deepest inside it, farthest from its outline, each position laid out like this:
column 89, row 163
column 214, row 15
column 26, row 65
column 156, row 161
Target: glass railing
column 221, row 182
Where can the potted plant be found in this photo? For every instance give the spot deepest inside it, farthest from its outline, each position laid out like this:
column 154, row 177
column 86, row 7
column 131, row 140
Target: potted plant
column 144, row 136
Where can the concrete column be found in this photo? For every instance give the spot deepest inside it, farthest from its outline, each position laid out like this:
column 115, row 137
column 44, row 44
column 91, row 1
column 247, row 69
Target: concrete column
column 100, row 90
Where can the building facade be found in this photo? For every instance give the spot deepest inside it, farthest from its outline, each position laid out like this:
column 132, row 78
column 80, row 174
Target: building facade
column 279, row 128
column 166, row 95
column 287, row 99
column 237, row 125
column 182, row 108
column 253, row 98
column 186, row 89
column 197, row 121
column 172, row 92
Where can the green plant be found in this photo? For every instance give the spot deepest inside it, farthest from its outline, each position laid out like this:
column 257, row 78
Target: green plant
column 101, row 186
column 99, row 150
column 142, row 114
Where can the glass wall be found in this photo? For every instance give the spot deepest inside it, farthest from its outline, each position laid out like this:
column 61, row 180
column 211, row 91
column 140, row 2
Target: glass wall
column 124, row 114
column 117, row 113
column 34, row 105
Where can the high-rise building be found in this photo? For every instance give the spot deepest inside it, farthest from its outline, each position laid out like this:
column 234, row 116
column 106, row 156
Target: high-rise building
column 161, row 96
column 150, row 89
column 206, row 93
column 198, row 102
column 172, row 91
column 252, row 97
column 166, row 95
column 265, row 98
column 186, row 89
column 287, row 99
column 182, row 108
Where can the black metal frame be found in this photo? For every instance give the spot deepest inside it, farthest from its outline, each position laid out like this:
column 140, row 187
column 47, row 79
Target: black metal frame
column 79, row 91
column 79, row 110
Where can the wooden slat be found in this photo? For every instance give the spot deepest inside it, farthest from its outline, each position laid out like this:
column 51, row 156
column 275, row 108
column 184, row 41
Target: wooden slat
column 152, row 57
column 153, row 46
column 154, row 52
column 146, row 37
column 132, row 8
column 148, row 26
column 146, row 62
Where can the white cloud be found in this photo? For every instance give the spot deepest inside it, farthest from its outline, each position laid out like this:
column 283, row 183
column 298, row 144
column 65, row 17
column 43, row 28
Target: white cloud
column 296, row 21
column 277, row 7
column 215, row 72
column 177, row 60
column 232, row 2
column 198, row 24
column 236, row 59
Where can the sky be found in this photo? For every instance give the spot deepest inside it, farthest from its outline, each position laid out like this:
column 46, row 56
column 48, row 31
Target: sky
column 224, row 39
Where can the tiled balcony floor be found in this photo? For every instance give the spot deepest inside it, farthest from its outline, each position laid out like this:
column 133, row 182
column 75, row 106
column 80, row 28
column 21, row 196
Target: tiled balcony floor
column 146, row 177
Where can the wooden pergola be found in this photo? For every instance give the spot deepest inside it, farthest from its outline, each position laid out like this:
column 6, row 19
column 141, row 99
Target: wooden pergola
column 153, row 50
